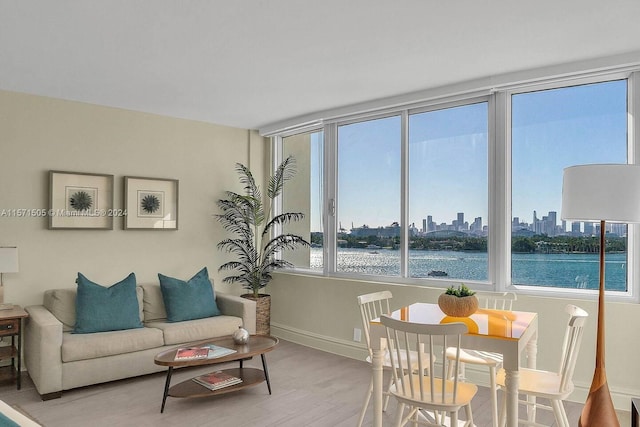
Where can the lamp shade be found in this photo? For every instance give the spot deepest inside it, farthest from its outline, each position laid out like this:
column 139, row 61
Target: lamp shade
column 8, row 260
column 601, row 192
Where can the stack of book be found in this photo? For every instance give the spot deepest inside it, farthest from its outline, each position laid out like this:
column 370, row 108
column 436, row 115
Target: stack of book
column 217, row 380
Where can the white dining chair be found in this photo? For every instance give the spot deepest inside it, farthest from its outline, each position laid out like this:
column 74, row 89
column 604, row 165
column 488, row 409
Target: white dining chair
column 416, row 389
column 372, row 306
column 553, row 386
column 492, row 361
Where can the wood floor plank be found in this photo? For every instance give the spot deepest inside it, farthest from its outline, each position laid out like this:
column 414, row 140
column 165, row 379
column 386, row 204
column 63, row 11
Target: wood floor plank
column 310, row 388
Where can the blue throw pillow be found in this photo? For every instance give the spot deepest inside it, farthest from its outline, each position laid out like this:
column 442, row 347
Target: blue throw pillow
column 101, row 309
column 193, row 299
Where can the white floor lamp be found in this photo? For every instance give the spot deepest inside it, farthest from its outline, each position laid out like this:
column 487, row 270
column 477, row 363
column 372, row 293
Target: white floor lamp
column 604, row 193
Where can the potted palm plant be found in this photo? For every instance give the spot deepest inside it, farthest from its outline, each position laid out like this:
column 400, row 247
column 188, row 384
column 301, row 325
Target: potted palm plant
column 257, row 238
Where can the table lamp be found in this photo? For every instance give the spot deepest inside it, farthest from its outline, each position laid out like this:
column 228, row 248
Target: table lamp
column 8, row 264
column 601, row 192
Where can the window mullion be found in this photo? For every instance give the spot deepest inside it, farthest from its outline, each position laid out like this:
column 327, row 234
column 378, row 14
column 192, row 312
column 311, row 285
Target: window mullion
column 330, row 203
column 499, row 244
column 404, row 195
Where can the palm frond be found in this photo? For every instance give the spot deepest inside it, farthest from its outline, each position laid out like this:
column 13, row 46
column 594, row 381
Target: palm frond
column 285, row 171
column 282, row 219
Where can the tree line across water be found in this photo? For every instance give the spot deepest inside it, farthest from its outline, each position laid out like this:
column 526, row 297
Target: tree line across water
column 539, row 243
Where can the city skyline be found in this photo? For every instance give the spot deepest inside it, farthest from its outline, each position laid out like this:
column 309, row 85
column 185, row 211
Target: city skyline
column 547, row 224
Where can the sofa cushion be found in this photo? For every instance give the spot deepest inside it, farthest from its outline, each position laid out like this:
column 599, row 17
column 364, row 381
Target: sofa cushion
column 102, row 344
column 101, row 309
column 193, row 299
column 196, row 330
column 62, row 304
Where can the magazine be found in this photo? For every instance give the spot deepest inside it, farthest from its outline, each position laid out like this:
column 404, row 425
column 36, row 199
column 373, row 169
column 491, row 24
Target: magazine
column 218, row 351
column 192, row 353
column 217, row 380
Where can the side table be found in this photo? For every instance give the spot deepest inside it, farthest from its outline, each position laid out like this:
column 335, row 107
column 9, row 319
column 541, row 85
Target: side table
column 11, row 326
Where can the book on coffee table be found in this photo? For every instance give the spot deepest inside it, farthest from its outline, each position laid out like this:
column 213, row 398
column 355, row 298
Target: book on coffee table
column 218, row 351
column 192, row 353
column 217, row 380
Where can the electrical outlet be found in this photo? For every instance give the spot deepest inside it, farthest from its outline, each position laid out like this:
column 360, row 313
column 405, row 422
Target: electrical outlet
column 357, row 334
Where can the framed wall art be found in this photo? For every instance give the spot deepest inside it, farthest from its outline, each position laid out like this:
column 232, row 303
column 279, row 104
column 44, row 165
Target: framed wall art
column 80, row 200
column 150, row 203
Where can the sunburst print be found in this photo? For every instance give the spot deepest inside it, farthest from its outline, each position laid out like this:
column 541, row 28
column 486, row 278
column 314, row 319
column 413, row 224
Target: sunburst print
column 150, row 204
column 81, row 201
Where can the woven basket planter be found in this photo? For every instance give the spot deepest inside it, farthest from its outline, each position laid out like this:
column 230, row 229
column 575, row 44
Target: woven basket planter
column 454, row 306
column 263, row 312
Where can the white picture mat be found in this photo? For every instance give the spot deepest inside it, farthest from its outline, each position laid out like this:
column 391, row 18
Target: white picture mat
column 99, row 187
column 165, row 191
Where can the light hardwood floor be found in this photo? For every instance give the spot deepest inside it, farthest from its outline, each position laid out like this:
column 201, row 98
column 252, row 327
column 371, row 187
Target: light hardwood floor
column 310, row 388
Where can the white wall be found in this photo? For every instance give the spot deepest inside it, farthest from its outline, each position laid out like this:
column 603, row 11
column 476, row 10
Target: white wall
column 40, row 134
column 321, row 312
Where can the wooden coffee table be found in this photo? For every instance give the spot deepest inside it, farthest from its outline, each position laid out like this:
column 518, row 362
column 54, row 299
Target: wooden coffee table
column 257, row 345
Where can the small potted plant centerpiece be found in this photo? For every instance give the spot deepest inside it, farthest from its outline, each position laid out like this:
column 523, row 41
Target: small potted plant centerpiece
column 458, row 302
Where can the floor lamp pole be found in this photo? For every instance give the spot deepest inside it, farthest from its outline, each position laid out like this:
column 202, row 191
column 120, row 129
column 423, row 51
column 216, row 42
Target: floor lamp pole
column 598, row 410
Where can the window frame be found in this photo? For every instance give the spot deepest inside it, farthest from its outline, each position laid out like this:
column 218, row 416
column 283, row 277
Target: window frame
column 499, row 181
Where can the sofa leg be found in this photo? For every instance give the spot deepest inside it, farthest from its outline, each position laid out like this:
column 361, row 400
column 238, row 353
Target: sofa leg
column 49, row 396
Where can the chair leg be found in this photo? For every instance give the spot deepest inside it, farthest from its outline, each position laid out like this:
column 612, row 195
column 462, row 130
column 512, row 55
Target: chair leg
column 503, row 410
column 449, row 369
column 564, row 413
column 387, row 394
column 367, row 398
column 400, row 411
column 454, row 418
column 494, row 395
column 467, row 410
column 559, row 414
column 532, row 408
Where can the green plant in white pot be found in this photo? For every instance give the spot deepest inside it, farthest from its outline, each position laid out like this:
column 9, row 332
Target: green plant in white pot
column 255, row 242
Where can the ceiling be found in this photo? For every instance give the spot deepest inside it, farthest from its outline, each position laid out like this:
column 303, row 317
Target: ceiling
column 249, row 63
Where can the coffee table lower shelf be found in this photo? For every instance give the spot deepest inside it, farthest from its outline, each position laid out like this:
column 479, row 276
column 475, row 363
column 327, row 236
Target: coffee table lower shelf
column 190, row 388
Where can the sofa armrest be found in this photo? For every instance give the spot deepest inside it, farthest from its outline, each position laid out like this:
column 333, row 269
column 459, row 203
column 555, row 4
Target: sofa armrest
column 43, row 349
column 232, row 305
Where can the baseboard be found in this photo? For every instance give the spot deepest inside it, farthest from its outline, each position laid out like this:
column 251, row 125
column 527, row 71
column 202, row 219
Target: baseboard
column 353, row 350
column 621, row 397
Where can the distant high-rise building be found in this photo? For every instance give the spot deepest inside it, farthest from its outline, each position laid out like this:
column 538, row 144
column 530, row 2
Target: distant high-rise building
column 575, row 227
column 460, row 222
column 588, row 229
column 424, row 225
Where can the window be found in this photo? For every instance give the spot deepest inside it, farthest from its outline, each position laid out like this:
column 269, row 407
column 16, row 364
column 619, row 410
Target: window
column 448, row 193
column 304, row 194
column 427, row 193
column 553, row 129
column 368, row 203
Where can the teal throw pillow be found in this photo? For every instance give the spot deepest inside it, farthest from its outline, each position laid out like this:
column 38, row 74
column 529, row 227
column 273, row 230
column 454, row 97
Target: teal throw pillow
column 193, row 299
column 101, row 309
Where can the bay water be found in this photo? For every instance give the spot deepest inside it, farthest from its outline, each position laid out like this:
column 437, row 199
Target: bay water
column 570, row 270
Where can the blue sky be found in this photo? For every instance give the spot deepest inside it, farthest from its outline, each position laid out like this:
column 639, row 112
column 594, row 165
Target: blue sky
column 552, row 129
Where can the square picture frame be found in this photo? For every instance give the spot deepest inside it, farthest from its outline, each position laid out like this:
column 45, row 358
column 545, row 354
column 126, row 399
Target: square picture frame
column 79, row 200
column 150, row 203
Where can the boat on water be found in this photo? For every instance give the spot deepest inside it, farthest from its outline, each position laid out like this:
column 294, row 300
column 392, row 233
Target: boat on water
column 437, row 273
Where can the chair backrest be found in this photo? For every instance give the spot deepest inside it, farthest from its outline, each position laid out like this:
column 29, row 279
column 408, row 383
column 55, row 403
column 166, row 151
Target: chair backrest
column 496, row 300
column 372, row 306
column 402, row 337
column 571, row 344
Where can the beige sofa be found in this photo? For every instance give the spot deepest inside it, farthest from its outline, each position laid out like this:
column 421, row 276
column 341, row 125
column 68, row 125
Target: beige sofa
column 58, row 360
